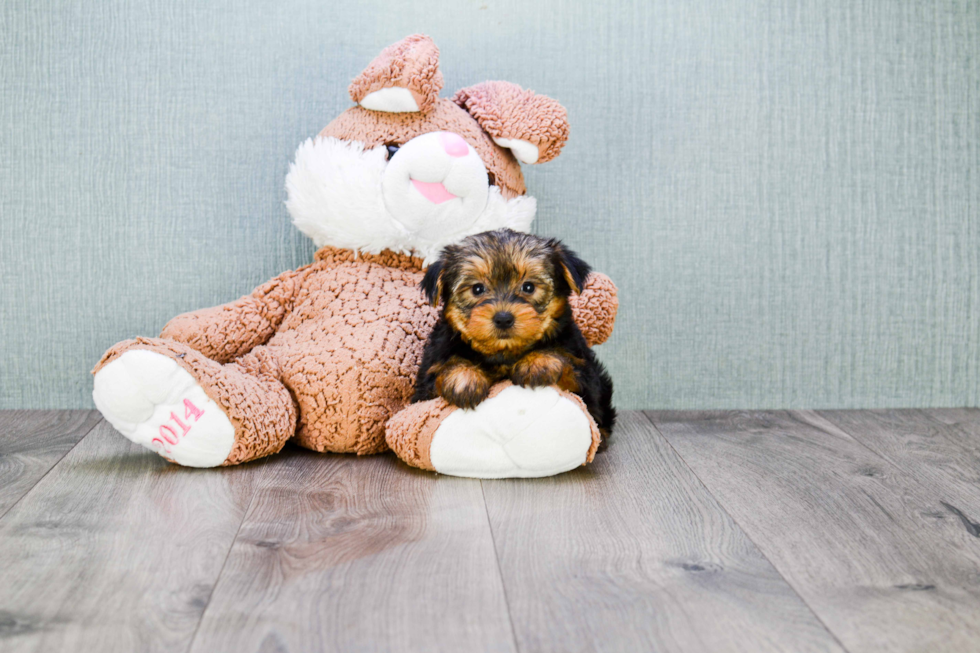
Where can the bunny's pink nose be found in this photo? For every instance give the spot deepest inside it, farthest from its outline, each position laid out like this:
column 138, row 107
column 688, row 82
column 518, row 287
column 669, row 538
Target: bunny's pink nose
column 453, row 144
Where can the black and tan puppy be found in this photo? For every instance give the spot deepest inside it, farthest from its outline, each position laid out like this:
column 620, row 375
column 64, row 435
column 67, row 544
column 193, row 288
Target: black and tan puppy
column 506, row 315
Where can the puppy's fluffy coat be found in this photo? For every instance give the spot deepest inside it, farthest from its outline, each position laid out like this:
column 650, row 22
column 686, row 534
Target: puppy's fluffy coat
column 506, row 315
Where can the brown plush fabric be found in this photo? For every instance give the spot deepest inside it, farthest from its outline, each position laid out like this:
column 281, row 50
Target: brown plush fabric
column 346, row 333
column 595, row 308
column 248, row 390
column 224, row 333
column 505, row 110
column 596, row 436
column 376, row 128
column 412, row 63
column 410, row 432
column 351, row 348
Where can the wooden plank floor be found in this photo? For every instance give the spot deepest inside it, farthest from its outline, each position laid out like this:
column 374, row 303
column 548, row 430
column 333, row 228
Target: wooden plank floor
column 720, row 531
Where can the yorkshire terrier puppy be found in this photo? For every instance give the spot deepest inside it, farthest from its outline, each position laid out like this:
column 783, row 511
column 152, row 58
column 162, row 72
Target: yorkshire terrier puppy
column 506, row 315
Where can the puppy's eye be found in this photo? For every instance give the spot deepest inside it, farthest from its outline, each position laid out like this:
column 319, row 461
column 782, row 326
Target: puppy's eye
column 527, row 288
column 392, row 148
column 478, row 289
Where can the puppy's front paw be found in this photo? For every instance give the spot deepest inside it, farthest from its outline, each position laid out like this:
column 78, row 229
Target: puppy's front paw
column 544, row 368
column 463, row 385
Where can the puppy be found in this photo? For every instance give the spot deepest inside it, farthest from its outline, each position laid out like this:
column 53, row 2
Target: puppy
column 506, row 315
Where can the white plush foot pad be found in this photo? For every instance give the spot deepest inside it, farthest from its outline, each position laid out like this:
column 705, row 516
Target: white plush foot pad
column 155, row 402
column 520, row 433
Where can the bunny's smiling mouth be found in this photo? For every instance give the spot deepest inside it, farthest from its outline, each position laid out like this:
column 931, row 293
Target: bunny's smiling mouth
column 435, row 192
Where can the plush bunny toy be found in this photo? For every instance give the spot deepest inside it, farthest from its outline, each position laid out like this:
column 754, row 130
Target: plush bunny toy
column 326, row 355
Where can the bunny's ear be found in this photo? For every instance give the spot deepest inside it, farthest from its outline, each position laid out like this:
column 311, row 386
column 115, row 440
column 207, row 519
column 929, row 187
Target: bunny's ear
column 533, row 126
column 405, row 77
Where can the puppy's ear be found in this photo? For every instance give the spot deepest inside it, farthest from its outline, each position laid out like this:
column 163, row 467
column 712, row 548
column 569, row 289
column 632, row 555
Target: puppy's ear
column 574, row 270
column 432, row 282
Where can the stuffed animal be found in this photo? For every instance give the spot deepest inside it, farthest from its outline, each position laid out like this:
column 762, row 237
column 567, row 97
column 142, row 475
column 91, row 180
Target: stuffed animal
column 326, row 355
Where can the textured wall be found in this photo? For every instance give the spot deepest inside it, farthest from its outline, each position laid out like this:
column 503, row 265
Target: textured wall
column 785, row 192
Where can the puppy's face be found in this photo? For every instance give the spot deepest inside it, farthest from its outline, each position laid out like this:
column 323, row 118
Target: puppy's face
column 504, row 290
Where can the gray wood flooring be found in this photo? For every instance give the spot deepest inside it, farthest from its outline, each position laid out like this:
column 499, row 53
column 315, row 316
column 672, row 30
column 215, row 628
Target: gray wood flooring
column 711, row 531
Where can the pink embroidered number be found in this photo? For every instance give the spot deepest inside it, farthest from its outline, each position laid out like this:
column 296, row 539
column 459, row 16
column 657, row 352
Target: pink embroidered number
column 190, row 410
column 183, row 426
column 173, row 434
column 167, row 433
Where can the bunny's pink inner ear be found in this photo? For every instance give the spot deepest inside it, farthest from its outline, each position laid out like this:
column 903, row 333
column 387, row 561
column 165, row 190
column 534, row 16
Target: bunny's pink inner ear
column 405, row 77
column 534, row 127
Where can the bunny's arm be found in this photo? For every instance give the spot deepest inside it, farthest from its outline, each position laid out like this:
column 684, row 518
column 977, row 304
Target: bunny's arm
column 595, row 308
column 225, row 332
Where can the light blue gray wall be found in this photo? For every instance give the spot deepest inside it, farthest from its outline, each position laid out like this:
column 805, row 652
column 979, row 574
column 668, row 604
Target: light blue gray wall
column 785, row 192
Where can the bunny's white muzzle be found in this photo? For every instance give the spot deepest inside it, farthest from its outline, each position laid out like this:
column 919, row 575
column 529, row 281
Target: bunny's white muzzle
column 431, row 177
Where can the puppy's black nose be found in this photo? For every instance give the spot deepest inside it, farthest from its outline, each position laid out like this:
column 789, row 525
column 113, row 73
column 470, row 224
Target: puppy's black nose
column 503, row 320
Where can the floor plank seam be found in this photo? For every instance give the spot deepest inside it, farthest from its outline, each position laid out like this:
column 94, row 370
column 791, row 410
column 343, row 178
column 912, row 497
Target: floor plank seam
column 745, row 532
column 500, row 572
column 859, row 442
column 224, row 563
column 38, row 481
column 925, row 412
column 971, row 527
